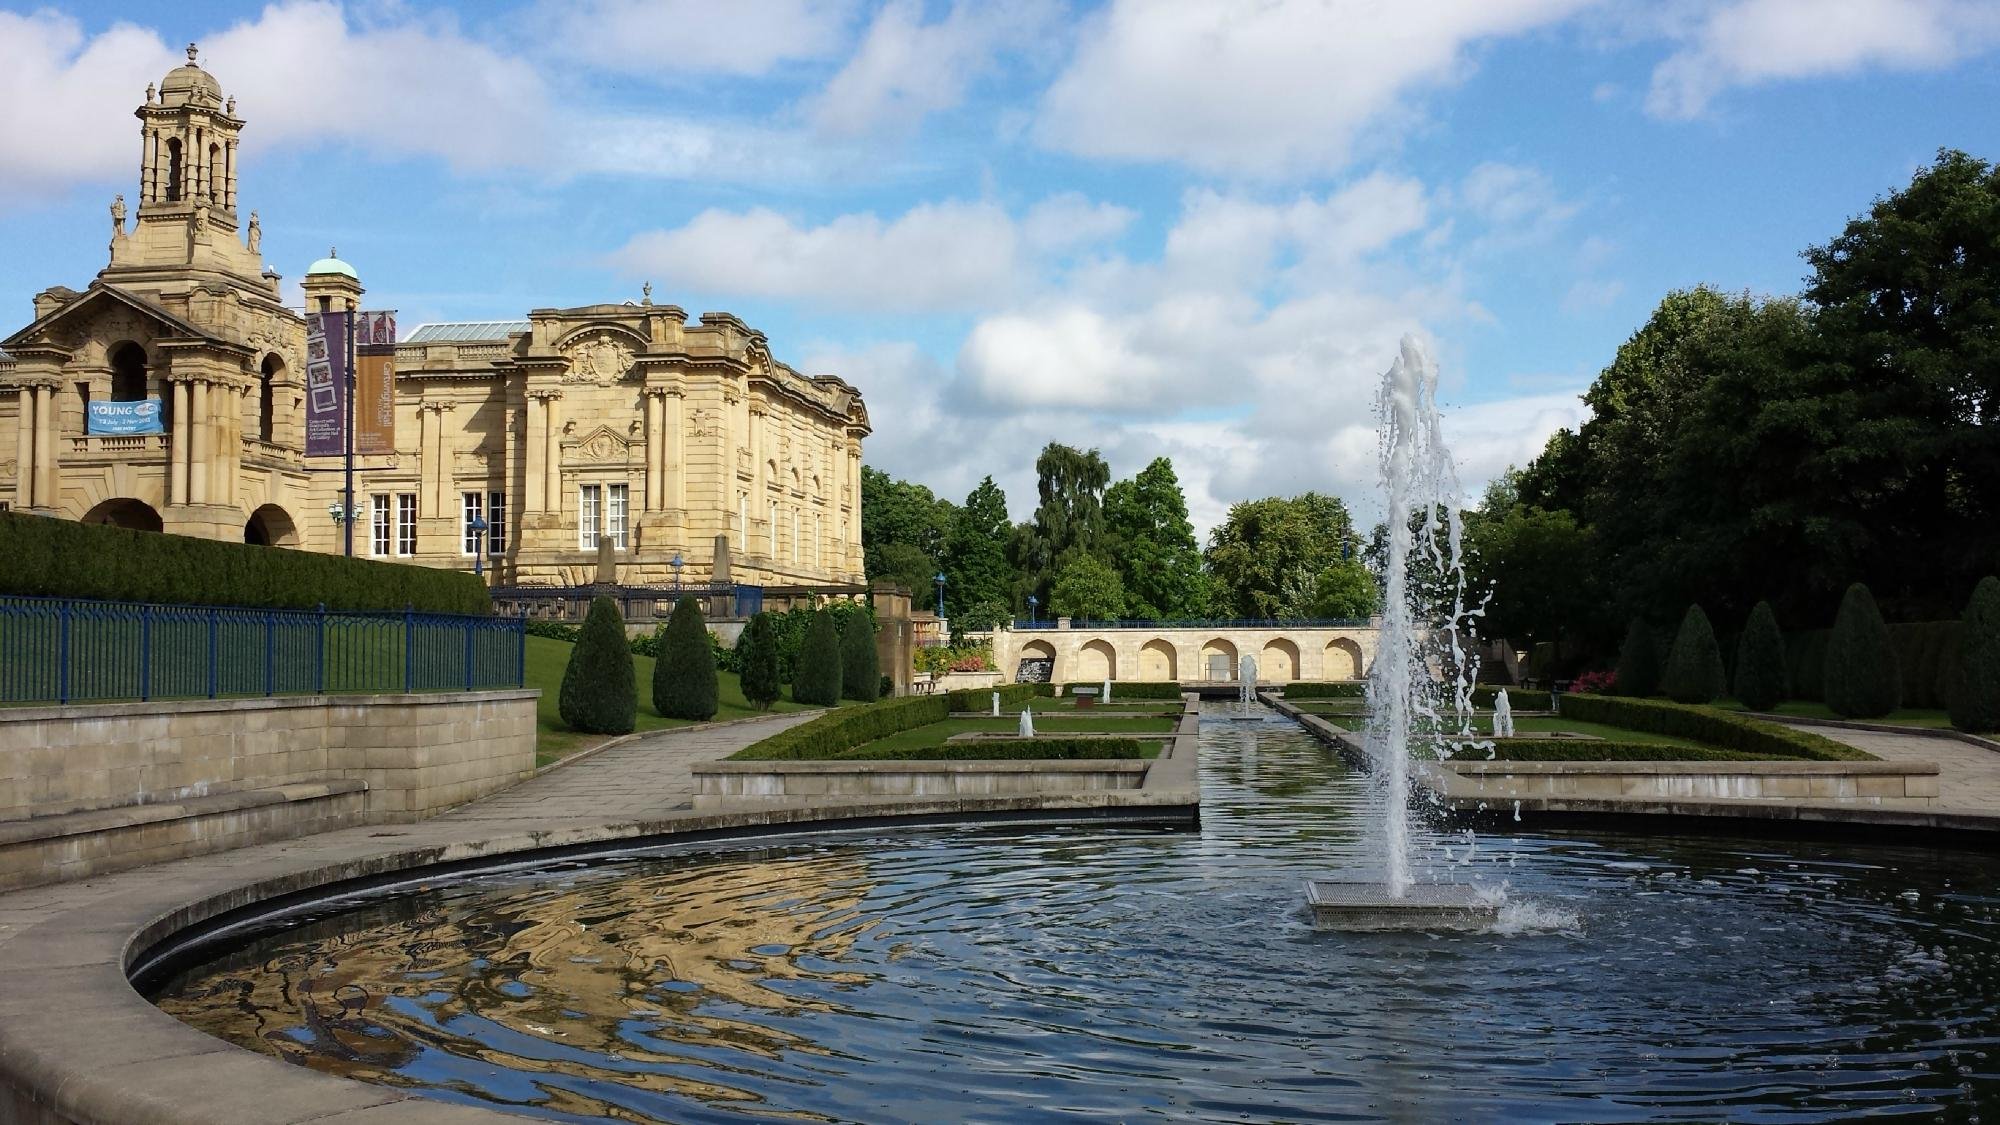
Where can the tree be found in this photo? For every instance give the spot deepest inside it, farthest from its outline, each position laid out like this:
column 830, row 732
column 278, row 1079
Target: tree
column 1760, row 661
column 757, row 659
column 684, row 681
column 1267, row 553
column 908, row 567
column 1861, row 678
column 1345, row 591
column 1974, row 701
column 975, row 553
column 981, row 616
column 600, row 694
column 860, row 667
column 1535, row 568
column 903, row 533
column 1148, row 535
column 1639, row 661
column 1087, row 588
column 1069, row 516
column 818, row 679
column 1694, row 666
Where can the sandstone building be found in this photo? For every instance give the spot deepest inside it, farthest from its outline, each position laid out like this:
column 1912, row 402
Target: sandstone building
column 671, row 438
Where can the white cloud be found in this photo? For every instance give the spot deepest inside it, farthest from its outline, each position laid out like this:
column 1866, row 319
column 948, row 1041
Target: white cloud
column 66, row 103
column 1516, row 202
column 662, row 39
column 1592, row 293
column 1263, row 89
column 906, row 69
column 1750, row 42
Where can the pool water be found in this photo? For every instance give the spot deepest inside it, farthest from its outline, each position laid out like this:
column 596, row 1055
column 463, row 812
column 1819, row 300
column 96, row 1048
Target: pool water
column 1035, row 974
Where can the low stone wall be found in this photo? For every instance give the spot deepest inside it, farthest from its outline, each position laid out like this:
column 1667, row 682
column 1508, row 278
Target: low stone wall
column 1905, row 782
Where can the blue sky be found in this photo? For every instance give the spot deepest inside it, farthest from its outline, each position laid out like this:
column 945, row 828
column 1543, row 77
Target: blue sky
column 1191, row 229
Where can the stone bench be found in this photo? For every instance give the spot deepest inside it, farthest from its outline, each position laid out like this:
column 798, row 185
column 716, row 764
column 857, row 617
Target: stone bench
column 48, row 849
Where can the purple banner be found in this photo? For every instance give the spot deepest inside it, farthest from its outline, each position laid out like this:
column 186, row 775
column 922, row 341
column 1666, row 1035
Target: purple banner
column 326, row 384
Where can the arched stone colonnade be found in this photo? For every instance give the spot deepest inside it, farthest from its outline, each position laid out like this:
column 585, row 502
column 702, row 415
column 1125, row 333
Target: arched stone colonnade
column 1283, row 654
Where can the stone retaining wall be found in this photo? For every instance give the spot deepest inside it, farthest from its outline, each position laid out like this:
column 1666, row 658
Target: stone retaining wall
column 1665, row 781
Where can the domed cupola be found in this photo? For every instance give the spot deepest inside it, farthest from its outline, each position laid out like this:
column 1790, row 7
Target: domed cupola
column 190, row 85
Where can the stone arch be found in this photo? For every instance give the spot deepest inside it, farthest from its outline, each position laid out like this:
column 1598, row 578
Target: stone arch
column 123, row 511
column 1158, row 663
column 1279, row 662
column 1343, row 660
column 1040, row 650
column 1218, row 660
column 1096, row 660
column 128, row 372
column 271, row 526
column 174, row 169
column 269, row 375
column 631, row 336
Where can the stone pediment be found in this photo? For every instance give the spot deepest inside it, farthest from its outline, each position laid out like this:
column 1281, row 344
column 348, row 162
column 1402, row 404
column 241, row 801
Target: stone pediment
column 601, row 446
column 84, row 316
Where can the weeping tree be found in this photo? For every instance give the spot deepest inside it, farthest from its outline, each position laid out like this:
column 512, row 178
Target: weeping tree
column 860, row 668
column 599, row 694
column 1760, row 661
column 1639, row 661
column 1974, row 683
column 1862, row 680
column 684, row 682
column 757, row 662
column 1694, row 665
column 817, row 678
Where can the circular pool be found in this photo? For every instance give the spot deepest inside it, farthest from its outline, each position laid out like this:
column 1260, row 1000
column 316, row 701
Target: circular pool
column 1027, row 974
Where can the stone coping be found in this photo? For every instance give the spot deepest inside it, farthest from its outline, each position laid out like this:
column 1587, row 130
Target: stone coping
column 132, row 709
column 1760, row 767
column 93, row 821
column 79, row 1044
column 928, row 765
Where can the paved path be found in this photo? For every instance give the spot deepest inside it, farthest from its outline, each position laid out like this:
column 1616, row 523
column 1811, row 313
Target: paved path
column 1968, row 775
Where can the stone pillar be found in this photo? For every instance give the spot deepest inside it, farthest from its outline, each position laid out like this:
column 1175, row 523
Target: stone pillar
column 203, row 449
column 24, row 449
column 675, row 453
column 532, row 448
column 653, row 444
column 45, row 447
column 552, row 453
column 895, row 640
column 178, row 445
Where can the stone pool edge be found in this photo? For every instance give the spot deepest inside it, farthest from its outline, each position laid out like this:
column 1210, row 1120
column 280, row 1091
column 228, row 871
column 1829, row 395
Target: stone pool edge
column 80, row 1046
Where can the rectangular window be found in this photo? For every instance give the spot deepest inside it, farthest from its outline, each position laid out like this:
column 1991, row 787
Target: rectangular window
column 589, row 505
column 406, row 523
column 616, row 500
column 496, row 524
column 475, row 509
column 378, row 539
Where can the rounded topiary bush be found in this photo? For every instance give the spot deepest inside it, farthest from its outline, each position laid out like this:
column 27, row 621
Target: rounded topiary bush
column 1975, row 682
column 1861, row 679
column 684, row 685
column 860, row 668
column 817, row 679
column 599, row 694
column 1694, row 665
column 757, row 662
column 1760, row 661
column 1638, row 661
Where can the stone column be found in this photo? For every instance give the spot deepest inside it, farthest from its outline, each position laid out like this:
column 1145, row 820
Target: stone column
column 45, row 447
column 675, row 457
column 177, row 446
column 532, row 447
column 24, row 449
column 427, row 427
column 652, row 503
column 203, row 444
column 444, row 481
column 552, row 453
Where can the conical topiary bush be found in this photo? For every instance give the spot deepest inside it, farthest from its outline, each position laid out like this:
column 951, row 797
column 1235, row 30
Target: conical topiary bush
column 817, row 678
column 1760, row 661
column 1694, row 665
column 684, row 685
column 860, row 668
column 1975, row 685
column 757, row 662
column 599, row 694
column 1861, row 679
column 1639, row 661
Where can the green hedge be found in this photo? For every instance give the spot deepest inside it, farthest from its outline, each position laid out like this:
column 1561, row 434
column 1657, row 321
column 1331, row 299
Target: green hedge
column 1337, row 689
column 1721, row 729
column 1584, row 750
column 1518, row 698
column 59, row 558
column 1003, row 750
column 849, row 727
column 1135, row 689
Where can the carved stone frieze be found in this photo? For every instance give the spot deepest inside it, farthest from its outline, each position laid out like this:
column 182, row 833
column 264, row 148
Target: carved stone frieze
column 601, row 359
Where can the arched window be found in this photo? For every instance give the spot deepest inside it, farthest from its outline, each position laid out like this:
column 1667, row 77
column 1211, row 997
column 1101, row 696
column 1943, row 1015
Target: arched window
column 128, row 373
column 214, row 177
column 267, row 415
column 173, row 169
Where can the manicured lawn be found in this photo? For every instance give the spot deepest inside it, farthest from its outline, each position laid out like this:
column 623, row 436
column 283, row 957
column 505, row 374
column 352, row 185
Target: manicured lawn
column 937, row 734
column 1545, row 725
column 1067, row 706
column 1909, row 717
column 548, row 657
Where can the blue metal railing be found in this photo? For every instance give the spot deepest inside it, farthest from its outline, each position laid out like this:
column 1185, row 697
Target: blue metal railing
column 66, row 650
column 1204, row 623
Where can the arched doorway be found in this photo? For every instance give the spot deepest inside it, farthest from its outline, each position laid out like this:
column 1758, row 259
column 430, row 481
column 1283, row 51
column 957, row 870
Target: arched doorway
column 1279, row 662
column 1343, row 660
column 267, row 415
column 123, row 511
column 1096, row 660
column 1039, row 651
column 1218, row 660
column 1157, row 662
column 128, row 373
column 271, row 526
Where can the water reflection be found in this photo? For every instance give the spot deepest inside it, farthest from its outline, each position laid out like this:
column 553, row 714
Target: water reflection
column 1035, row 974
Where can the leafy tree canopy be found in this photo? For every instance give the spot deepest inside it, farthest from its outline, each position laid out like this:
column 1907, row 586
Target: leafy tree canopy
column 1269, row 553
column 1148, row 534
column 1088, row 588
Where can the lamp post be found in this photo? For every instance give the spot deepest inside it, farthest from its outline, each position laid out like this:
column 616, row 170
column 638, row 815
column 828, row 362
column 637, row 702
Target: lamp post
column 940, row 594
column 477, row 525
column 1033, row 601
column 677, row 562
column 341, row 517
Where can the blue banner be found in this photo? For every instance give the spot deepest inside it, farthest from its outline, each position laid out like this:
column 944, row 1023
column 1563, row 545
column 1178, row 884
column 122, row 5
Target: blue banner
column 141, row 417
column 326, row 384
